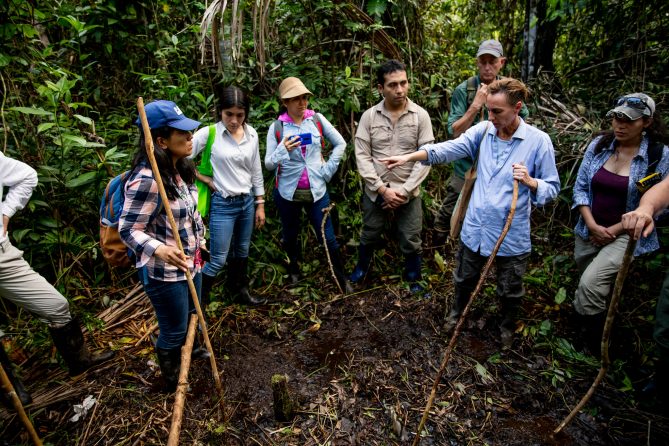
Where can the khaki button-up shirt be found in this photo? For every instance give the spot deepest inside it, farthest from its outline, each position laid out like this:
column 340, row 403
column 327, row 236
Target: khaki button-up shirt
column 378, row 138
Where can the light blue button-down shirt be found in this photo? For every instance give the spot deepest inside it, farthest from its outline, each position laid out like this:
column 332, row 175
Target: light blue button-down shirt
column 292, row 164
column 593, row 162
column 493, row 191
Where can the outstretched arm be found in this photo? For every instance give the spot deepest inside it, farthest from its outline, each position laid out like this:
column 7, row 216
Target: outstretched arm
column 639, row 222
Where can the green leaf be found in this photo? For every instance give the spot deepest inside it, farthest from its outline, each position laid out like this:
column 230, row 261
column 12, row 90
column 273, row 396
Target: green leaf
column 32, row 111
column 376, row 7
column 440, row 261
column 84, row 119
column 175, row 40
column 347, row 71
column 45, row 126
column 560, row 296
column 86, row 178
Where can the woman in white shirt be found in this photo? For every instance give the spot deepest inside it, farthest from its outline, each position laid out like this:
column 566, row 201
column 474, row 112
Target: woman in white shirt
column 237, row 191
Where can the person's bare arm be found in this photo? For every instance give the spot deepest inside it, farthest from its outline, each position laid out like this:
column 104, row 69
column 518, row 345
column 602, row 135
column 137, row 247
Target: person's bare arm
column 640, row 222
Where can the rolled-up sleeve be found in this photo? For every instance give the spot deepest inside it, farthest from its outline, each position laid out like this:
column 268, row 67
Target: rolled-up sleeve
column 21, row 179
column 141, row 201
column 581, row 194
column 339, row 146
column 546, row 174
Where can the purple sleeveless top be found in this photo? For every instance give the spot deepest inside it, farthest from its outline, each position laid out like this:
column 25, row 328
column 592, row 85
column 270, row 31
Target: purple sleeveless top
column 609, row 197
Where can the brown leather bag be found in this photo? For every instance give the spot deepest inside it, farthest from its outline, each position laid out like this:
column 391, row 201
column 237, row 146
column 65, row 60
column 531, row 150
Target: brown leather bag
column 458, row 216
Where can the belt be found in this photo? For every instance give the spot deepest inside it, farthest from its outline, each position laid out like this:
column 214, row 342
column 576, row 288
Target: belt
column 236, row 197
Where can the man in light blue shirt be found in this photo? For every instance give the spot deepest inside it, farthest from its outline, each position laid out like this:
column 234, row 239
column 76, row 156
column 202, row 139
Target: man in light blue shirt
column 510, row 150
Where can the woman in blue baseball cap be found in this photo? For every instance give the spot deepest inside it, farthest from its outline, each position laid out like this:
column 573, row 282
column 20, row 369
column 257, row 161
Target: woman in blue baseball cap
column 618, row 165
column 145, row 229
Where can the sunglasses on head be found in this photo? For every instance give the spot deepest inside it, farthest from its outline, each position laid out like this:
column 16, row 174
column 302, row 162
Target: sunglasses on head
column 633, row 102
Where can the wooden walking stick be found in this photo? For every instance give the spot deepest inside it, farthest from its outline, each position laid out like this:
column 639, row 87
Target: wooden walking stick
column 326, row 212
column 9, row 388
column 182, row 386
column 148, row 141
column 456, row 332
column 606, row 333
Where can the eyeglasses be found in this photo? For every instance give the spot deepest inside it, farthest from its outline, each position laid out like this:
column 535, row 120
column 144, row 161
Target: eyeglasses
column 633, row 102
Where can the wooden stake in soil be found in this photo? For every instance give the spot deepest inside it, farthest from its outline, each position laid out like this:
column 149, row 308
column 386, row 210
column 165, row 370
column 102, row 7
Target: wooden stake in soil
column 9, row 389
column 284, row 404
column 458, row 326
column 182, row 386
column 326, row 212
column 606, row 333
column 163, row 196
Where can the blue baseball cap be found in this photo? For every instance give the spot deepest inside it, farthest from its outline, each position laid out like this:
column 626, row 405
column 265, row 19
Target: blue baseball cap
column 167, row 114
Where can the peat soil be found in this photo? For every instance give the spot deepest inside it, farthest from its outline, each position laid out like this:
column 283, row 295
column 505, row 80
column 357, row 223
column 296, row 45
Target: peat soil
column 361, row 367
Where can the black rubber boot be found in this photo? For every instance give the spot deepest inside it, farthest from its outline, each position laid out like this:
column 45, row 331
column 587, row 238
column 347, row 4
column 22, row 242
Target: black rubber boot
column 338, row 267
column 69, row 341
column 243, row 294
column 412, row 272
column 460, row 301
column 365, row 255
column 170, row 363
column 507, row 328
column 19, row 388
column 205, row 290
column 592, row 327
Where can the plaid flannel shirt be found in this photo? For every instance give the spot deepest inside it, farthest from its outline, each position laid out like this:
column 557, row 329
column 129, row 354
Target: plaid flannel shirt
column 144, row 234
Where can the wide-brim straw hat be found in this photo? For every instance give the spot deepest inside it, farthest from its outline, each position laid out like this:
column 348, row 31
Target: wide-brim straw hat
column 292, row 87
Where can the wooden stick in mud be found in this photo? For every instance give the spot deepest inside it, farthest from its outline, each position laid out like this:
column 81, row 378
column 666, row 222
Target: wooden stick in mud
column 163, row 196
column 326, row 212
column 606, row 333
column 458, row 326
column 9, row 388
column 182, row 385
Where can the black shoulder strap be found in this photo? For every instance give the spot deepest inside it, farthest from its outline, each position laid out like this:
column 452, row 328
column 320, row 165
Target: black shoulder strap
column 654, row 156
column 471, row 90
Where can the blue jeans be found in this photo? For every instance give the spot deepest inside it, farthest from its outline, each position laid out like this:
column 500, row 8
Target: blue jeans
column 173, row 305
column 291, row 212
column 231, row 222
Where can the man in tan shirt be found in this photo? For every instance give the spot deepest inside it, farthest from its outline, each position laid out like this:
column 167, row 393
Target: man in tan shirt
column 394, row 126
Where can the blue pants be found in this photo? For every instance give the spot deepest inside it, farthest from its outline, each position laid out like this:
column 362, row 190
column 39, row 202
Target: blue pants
column 173, row 305
column 291, row 212
column 231, row 222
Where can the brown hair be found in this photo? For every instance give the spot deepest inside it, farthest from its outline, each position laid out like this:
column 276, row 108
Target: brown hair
column 514, row 89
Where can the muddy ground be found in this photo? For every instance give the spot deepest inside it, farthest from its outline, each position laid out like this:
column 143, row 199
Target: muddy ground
column 361, row 367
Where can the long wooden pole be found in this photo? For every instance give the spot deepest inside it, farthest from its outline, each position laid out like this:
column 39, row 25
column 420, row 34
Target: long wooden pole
column 606, row 333
column 182, row 386
column 456, row 332
column 148, row 141
column 9, row 388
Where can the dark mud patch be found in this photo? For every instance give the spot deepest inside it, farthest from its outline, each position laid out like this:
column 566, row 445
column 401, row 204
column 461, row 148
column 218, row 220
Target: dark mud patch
column 361, row 368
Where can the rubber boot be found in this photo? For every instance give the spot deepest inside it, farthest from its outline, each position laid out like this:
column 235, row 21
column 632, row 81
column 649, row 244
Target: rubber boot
column 365, row 255
column 19, row 388
column 460, row 301
column 69, row 341
column 242, row 292
column 169, row 361
column 199, row 351
column 508, row 326
column 592, row 328
column 412, row 273
column 338, row 267
column 205, row 290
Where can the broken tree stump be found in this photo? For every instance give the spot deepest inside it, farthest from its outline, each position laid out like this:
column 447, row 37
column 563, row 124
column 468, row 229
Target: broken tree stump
column 284, row 404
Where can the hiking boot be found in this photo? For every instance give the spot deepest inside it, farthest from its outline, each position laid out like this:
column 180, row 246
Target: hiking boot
column 19, row 388
column 338, row 268
column 69, row 341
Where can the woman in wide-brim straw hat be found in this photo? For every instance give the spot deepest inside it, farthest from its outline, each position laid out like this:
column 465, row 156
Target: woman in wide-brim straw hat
column 605, row 189
column 294, row 151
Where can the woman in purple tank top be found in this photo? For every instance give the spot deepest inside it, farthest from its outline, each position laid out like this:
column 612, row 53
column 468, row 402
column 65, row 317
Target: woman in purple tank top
column 605, row 189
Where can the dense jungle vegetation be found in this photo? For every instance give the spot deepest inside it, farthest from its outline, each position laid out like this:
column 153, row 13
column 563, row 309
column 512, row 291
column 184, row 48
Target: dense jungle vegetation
column 71, row 71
